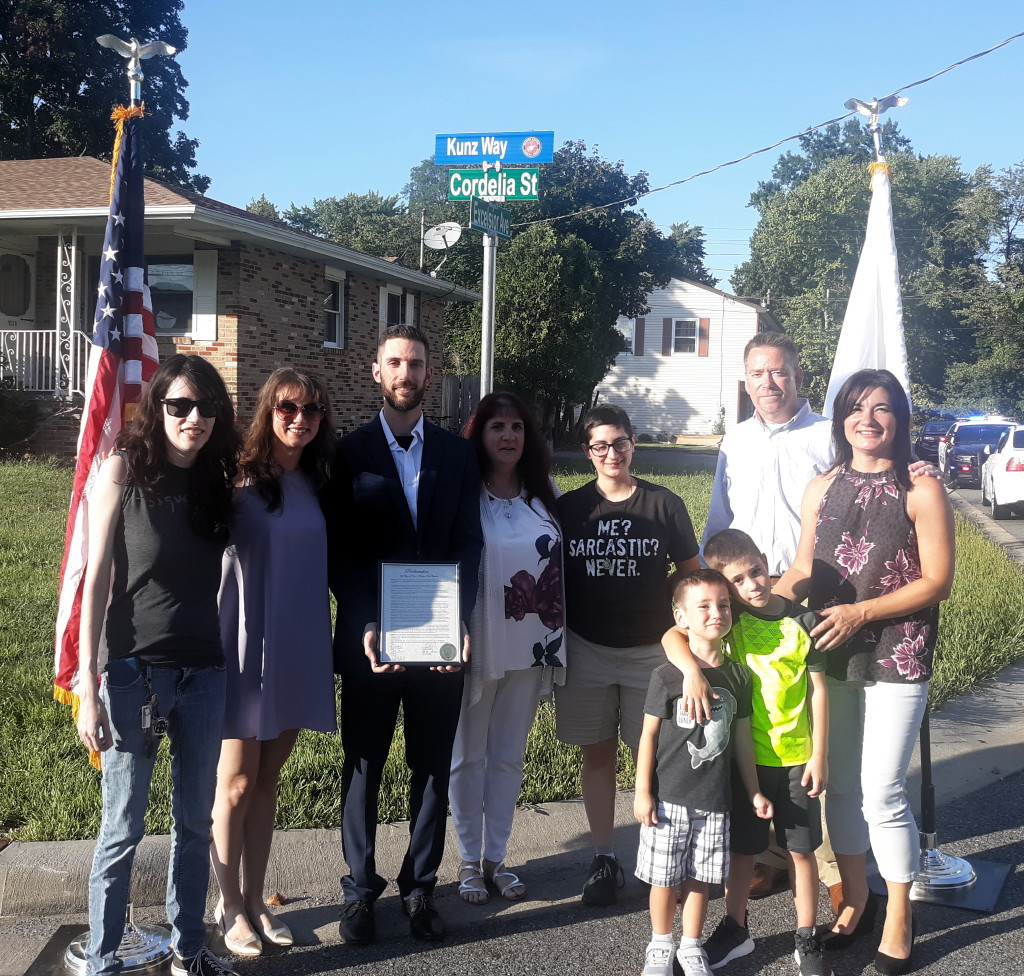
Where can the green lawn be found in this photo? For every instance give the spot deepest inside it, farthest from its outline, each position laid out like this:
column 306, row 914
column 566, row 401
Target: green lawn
column 49, row 792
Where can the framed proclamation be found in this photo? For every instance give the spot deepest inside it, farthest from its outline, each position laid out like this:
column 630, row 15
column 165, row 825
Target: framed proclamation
column 420, row 622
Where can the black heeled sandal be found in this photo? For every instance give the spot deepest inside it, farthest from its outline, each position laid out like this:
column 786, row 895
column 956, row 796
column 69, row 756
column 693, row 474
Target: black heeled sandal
column 866, row 922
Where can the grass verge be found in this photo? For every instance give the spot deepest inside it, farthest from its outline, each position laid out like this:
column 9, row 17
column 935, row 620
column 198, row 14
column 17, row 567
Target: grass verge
column 49, row 792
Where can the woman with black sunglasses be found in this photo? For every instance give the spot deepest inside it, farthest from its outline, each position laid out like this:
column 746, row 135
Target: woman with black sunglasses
column 158, row 522
column 276, row 632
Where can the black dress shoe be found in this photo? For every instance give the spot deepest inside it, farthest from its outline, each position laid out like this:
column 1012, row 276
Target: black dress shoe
column 866, row 922
column 358, row 925
column 424, row 920
column 890, row 965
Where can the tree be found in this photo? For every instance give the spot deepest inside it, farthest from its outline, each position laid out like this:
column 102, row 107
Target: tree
column 58, row 86
column 263, row 208
column 805, row 249
column 689, row 260
column 367, row 222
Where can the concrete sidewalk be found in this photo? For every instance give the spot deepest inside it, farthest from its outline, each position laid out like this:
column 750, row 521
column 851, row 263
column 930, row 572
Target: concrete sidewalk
column 977, row 744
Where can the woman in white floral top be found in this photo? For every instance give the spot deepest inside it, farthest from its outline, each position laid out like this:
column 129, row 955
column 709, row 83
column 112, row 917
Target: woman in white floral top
column 516, row 635
column 875, row 560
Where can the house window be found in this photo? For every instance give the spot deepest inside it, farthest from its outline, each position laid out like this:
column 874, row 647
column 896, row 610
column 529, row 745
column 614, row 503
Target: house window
column 334, row 310
column 627, row 327
column 172, row 286
column 15, row 285
column 396, row 308
column 684, row 336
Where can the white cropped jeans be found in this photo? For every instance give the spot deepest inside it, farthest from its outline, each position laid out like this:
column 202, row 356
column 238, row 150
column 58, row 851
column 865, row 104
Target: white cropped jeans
column 487, row 762
column 873, row 727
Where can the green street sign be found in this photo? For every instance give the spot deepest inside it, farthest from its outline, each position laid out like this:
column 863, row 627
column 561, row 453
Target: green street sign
column 512, row 184
column 490, row 218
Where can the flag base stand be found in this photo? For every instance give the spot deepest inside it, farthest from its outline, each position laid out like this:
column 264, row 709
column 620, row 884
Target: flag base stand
column 143, row 948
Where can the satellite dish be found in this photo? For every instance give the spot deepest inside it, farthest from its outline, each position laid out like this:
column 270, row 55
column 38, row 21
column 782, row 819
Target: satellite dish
column 442, row 236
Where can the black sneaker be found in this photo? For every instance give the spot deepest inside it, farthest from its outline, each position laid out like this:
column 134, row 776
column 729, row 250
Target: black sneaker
column 729, row 941
column 606, row 875
column 203, row 963
column 810, row 959
column 357, row 925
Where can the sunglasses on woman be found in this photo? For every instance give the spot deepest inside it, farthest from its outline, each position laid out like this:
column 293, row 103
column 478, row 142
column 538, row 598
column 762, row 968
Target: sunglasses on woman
column 288, row 408
column 183, row 406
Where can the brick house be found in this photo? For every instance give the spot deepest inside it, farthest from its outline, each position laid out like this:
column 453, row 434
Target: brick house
column 246, row 292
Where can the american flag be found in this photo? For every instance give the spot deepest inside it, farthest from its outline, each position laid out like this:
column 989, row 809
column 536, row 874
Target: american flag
column 122, row 360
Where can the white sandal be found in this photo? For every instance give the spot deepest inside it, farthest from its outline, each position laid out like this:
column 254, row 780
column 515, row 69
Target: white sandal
column 509, row 886
column 472, row 886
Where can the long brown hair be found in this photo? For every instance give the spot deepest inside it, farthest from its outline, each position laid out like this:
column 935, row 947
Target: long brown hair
column 534, row 467
column 257, row 461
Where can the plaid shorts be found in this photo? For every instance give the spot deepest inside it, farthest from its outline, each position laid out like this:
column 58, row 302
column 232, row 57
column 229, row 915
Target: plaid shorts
column 683, row 844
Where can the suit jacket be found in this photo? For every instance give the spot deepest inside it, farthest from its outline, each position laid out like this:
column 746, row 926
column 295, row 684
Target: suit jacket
column 368, row 520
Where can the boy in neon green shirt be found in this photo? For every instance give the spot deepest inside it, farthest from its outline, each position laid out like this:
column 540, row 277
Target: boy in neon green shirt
column 789, row 722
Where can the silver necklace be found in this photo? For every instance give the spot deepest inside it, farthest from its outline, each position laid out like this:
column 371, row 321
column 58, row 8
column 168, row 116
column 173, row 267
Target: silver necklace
column 507, row 499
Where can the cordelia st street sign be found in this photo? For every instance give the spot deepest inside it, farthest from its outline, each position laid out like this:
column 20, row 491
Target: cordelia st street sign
column 511, row 184
column 467, row 148
column 490, row 218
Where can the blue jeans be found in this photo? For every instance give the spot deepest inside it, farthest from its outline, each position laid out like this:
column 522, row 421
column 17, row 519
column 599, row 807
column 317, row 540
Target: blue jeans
column 192, row 701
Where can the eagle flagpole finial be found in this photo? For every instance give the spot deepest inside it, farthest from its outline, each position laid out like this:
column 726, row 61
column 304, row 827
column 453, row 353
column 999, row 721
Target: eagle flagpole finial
column 873, row 109
column 134, row 52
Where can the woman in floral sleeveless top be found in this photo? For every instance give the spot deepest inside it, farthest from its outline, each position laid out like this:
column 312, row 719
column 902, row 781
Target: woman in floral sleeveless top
column 875, row 560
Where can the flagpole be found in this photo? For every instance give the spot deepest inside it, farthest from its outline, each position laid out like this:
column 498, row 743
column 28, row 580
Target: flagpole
column 143, row 947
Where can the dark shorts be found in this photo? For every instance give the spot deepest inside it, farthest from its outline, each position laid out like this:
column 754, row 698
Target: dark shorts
column 797, row 817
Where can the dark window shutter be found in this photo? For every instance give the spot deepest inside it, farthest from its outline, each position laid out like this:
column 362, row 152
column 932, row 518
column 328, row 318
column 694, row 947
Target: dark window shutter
column 666, row 337
column 703, row 327
column 638, row 337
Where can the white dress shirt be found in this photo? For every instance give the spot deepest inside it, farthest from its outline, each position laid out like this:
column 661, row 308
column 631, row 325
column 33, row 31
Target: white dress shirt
column 407, row 462
column 760, row 479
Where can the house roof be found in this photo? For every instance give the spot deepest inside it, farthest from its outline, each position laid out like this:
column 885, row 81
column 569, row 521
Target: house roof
column 39, row 195
column 772, row 321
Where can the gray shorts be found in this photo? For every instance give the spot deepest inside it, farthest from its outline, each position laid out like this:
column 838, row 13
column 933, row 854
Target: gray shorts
column 604, row 692
column 683, row 844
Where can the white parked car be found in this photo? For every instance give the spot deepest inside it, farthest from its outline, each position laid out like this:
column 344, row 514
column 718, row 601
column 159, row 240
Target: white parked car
column 1002, row 475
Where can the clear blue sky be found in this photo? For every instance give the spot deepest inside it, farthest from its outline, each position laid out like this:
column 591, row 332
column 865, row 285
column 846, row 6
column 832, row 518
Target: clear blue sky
column 312, row 98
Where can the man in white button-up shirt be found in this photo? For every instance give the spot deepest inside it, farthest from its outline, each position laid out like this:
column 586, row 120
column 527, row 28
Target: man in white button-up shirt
column 765, row 463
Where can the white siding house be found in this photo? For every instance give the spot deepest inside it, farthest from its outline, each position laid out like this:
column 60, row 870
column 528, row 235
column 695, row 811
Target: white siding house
column 684, row 370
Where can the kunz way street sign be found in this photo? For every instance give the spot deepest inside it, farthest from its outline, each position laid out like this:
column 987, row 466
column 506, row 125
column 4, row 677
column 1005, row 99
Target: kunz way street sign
column 490, row 218
column 466, row 148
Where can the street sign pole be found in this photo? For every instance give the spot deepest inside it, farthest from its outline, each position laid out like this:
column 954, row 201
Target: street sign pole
column 487, row 318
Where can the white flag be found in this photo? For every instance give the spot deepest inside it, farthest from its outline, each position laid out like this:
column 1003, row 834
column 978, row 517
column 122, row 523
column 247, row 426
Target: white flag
column 872, row 334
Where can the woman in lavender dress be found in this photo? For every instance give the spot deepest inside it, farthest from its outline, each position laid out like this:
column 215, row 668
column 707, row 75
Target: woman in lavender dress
column 516, row 635
column 875, row 559
column 276, row 632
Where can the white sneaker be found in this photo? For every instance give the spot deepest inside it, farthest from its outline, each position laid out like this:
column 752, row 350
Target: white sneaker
column 658, row 959
column 694, row 961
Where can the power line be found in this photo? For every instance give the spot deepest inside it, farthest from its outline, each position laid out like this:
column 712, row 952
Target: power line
column 629, row 201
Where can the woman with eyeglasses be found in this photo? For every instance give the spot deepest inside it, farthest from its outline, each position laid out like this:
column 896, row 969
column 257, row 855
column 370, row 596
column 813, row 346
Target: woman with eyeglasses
column 276, row 631
column 621, row 535
column 158, row 522
column 517, row 640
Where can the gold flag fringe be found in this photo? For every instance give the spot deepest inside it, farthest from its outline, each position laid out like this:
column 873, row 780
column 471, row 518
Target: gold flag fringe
column 874, row 168
column 119, row 117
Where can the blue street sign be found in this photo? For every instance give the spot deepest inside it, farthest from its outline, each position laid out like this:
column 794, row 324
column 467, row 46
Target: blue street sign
column 506, row 147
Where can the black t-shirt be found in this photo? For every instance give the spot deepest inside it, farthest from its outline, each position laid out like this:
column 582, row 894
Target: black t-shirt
column 617, row 556
column 694, row 761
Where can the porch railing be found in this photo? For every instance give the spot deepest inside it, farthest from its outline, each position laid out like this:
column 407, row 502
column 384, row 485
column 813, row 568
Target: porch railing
column 42, row 361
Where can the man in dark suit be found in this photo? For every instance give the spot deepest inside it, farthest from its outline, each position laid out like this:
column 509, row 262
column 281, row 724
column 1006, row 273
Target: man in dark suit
column 401, row 490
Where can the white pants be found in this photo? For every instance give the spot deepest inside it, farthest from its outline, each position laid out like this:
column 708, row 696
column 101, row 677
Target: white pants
column 873, row 728
column 487, row 762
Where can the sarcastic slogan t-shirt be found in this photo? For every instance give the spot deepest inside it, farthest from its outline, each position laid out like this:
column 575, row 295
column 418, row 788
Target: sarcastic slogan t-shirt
column 617, row 556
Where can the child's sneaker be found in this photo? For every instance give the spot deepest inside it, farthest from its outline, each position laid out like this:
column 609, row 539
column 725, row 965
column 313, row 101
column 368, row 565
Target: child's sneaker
column 729, row 941
column 203, row 963
column 658, row 959
column 693, row 961
column 810, row 959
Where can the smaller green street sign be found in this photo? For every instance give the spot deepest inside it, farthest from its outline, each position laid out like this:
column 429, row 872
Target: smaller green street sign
column 490, row 218
column 512, row 184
